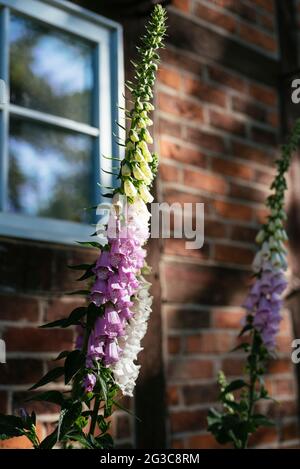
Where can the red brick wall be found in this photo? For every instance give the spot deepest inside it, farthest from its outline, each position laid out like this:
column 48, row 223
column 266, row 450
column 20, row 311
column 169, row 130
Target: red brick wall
column 216, row 131
column 217, row 139
column 34, row 280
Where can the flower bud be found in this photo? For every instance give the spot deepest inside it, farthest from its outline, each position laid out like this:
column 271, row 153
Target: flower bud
column 149, row 107
column 147, row 136
column 138, row 155
column 145, row 194
column 130, row 189
column 146, row 170
column 125, row 170
column 138, row 173
column 134, row 136
column 260, row 237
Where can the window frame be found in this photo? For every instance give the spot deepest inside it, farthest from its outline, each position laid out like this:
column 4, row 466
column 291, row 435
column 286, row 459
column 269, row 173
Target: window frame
column 108, row 95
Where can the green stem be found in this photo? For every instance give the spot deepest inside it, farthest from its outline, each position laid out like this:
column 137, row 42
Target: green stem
column 95, row 415
column 252, row 383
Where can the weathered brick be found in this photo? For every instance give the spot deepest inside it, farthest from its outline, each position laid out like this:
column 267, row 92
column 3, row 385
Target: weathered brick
column 256, row 37
column 200, row 393
column 17, row 308
column 209, row 342
column 263, row 94
column 250, row 152
column 205, row 441
column 226, row 78
column 242, row 233
column 204, row 92
column 181, row 153
column 188, row 421
column 57, row 308
column 26, row 371
column 184, row 318
column 169, row 172
column 267, row 5
column 227, row 123
column 123, row 427
column 233, row 211
column 189, row 369
column 206, row 140
column 183, row 5
column 232, row 168
column 180, row 107
column 280, row 366
column 246, row 193
column 226, row 319
column 216, row 17
column 250, row 108
column 169, row 77
column 169, row 127
column 172, row 395
column 290, row 431
column 214, row 229
column 38, row 340
column 263, row 435
column 174, row 345
column 177, row 247
column 233, row 366
column 235, row 254
column 180, row 59
column 205, row 181
column 263, row 136
column 207, row 285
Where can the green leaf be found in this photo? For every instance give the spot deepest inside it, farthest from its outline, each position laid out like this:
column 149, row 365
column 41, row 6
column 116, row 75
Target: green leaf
column 72, row 320
column 79, row 266
column 89, row 273
column 68, row 417
column 10, row 426
column 73, row 363
column 262, row 421
column 55, row 397
column 79, row 292
column 62, row 355
column 49, row 441
column 213, row 417
column 242, row 346
column 246, row 328
column 52, row 375
column 233, row 386
column 80, row 437
column 90, row 244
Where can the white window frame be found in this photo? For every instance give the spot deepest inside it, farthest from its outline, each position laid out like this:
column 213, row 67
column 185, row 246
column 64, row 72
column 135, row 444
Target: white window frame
column 108, row 94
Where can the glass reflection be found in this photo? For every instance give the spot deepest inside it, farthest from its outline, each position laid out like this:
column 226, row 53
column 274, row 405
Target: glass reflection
column 50, row 70
column 49, row 172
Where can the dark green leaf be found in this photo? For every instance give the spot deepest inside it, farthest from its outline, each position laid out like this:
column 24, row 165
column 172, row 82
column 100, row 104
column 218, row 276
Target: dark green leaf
column 62, row 355
column 79, row 292
column 80, row 266
column 248, row 327
column 90, row 244
column 233, row 386
column 72, row 320
column 10, row 425
column 262, row 421
column 55, row 397
column 72, row 364
column 49, row 441
column 52, row 375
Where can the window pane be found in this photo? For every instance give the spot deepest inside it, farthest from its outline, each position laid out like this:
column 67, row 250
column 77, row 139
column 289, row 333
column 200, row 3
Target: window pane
column 50, row 71
column 49, row 172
